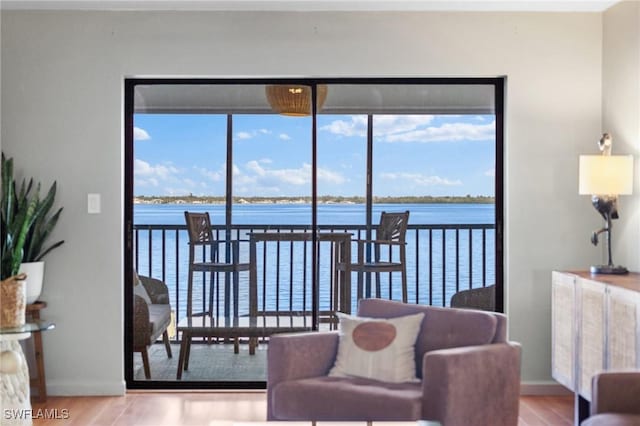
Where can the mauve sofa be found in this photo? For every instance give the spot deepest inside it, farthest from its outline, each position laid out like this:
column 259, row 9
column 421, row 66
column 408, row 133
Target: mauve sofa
column 615, row 399
column 469, row 373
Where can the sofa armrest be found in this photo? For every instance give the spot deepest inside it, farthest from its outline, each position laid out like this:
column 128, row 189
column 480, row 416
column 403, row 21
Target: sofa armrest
column 299, row 356
column 472, row 385
column 141, row 324
column 616, row 392
column 158, row 291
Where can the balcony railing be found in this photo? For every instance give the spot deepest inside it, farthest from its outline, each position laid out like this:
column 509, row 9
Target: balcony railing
column 441, row 260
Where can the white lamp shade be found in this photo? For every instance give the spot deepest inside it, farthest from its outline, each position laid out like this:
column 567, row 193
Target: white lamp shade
column 606, row 174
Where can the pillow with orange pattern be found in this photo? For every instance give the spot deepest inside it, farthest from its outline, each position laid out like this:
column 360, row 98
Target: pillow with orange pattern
column 377, row 348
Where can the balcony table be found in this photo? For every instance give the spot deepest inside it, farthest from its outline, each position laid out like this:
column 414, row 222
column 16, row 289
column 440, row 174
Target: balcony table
column 342, row 244
column 252, row 327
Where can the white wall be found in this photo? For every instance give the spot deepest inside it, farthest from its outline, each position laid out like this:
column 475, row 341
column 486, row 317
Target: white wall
column 62, row 76
column 621, row 116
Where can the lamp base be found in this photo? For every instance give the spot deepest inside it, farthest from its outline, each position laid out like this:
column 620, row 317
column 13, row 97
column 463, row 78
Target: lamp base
column 607, row 269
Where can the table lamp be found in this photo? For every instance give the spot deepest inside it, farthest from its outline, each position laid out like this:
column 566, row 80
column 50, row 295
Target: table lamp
column 604, row 177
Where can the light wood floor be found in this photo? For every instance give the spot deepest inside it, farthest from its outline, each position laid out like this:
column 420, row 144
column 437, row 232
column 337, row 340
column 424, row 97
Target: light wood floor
column 222, row 409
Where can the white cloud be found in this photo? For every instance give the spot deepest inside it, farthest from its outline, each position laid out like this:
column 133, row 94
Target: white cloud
column 155, row 176
column 412, row 128
column 490, row 173
column 421, row 179
column 255, row 167
column 385, row 125
column 143, row 169
column 300, row 176
column 167, row 179
column 153, row 182
column 284, row 137
column 252, row 134
column 448, row 132
column 328, row 176
column 140, row 134
column 213, row 175
column 267, row 179
column 356, row 127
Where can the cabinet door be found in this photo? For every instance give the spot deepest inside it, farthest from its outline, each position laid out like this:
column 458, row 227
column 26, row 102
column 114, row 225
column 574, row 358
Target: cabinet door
column 563, row 336
column 622, row 328
column 591, row 329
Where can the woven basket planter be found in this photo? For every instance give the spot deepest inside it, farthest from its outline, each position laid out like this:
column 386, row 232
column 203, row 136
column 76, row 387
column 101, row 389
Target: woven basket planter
column 13, row 297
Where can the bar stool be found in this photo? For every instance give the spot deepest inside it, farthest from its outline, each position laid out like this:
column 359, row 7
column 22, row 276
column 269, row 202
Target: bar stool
column 201, row 239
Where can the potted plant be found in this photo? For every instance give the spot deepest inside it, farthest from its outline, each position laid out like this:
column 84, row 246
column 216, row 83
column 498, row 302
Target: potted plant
column 26, row 207
column 16, row 217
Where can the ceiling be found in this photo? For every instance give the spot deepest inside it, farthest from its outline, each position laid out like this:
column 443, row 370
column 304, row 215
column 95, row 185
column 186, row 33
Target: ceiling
column 316, row 5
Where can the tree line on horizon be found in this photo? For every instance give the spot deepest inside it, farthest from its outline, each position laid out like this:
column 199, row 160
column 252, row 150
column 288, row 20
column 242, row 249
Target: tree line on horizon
column 323, row 199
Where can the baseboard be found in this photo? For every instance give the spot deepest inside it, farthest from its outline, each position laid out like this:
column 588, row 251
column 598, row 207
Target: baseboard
column 55, row 388
column 119, row 389
column 543, row 388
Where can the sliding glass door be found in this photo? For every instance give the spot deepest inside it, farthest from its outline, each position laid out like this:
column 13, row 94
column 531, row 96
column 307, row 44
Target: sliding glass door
column 289, row 172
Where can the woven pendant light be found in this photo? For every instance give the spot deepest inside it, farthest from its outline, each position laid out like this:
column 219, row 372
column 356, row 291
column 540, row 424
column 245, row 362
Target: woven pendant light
column 294, row 100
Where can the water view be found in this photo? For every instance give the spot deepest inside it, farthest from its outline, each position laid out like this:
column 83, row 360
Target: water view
column 439, row 261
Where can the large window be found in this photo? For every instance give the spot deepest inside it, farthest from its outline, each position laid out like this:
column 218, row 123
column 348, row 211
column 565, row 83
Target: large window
column 230, row 148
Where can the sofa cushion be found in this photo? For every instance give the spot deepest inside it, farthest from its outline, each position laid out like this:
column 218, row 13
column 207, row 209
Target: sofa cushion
column 160, row 318
column 442, row 328
column 381, row 349
column 344, row 399
column 612, row 419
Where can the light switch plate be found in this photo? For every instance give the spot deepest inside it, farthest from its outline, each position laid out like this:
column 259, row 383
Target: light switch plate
column 93, row 203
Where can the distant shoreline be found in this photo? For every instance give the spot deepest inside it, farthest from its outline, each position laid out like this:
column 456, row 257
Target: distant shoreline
column 324, row 199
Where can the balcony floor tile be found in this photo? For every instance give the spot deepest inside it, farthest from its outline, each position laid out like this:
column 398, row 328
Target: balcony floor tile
column 208, row 362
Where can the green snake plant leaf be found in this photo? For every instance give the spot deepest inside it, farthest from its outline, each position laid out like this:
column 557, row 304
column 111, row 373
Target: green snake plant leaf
column 25, row 223
column 42, row 227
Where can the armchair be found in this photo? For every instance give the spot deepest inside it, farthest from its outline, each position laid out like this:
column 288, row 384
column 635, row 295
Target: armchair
column 483, row 298
column 150, row 320
column 614, row 399
column 469, row 373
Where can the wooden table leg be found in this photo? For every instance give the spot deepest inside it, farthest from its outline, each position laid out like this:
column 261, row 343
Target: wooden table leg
column 39, row 382
column 183, row 350
column 187, row 353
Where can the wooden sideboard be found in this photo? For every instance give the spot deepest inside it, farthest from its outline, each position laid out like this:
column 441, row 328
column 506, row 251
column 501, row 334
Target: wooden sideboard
column 595, row 327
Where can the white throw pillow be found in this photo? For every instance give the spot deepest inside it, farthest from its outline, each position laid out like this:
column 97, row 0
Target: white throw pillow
column 377, row 348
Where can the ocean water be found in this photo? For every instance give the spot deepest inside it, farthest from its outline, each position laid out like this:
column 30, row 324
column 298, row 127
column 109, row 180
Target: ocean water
column 439, row 262
column 300, row 214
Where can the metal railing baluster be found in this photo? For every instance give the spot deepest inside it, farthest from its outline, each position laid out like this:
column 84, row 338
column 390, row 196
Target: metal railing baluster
column 157, row 256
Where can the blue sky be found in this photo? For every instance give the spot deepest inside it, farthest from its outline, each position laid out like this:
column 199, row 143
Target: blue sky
column 413, row 155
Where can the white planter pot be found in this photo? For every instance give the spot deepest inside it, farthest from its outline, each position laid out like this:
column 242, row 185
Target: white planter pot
column 35, row 276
